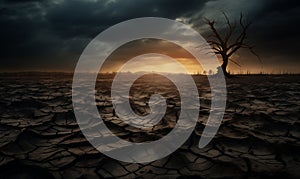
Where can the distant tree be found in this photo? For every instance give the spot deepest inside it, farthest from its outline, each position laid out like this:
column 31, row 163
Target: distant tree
column 225, row 45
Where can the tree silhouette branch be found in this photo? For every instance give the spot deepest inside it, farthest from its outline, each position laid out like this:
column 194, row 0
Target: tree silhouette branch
column 223, row 46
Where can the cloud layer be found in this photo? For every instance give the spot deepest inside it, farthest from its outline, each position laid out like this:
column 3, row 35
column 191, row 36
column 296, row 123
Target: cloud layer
column 51, row 34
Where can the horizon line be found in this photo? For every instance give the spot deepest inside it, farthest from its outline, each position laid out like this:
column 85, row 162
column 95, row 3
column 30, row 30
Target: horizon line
column 146, row 72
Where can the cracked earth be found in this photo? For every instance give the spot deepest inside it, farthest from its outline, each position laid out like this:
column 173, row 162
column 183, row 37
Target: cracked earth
column 258, row 138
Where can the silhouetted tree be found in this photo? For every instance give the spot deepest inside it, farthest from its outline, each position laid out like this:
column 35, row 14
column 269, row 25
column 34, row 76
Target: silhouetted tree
column 224, row 44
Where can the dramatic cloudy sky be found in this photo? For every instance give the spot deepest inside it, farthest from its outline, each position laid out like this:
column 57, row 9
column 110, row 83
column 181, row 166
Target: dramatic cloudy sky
column 49, row 35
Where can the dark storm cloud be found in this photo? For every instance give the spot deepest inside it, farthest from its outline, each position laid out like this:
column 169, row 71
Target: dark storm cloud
column 86, row 18
column 47, row 33
column 277, row 26
column 52, row 33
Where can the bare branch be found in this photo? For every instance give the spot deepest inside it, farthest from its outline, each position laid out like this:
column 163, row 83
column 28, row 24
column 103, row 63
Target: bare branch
column 242, row 35
column 231, row 28
column 223, row 46
column 251, row 49
column 234, row 49
column 235, row 63
column 216, row 49
column 215, row 32
column 240, row 39
column 215, row 44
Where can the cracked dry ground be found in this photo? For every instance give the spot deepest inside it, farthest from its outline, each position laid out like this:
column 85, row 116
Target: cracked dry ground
column 259, row 136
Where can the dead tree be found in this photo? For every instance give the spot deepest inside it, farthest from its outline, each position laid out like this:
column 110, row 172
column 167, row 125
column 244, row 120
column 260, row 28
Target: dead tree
column 224, row 44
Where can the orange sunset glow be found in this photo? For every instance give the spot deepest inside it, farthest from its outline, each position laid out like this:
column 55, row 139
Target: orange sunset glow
column 159, row 64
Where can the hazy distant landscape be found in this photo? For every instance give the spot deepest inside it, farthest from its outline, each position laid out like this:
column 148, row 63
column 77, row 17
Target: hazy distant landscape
column 259, row 136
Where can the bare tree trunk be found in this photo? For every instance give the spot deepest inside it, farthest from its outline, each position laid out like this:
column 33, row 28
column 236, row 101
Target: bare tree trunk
column 222, row 45
column 224, row 66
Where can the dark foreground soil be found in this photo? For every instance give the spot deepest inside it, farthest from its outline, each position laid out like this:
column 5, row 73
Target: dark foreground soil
column 259, row 136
